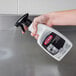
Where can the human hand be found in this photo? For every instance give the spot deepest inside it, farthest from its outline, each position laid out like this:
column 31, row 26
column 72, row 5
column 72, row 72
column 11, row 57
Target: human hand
column 43, row 19
column 59, row 18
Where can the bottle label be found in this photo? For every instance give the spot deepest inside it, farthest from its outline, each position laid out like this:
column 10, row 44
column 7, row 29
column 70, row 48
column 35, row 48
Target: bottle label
column 53, row 43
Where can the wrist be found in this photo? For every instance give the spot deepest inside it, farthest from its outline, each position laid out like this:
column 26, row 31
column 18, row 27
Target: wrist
column 52, row 17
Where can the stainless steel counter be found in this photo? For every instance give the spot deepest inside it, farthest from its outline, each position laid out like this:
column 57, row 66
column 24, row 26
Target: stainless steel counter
column 21, row 56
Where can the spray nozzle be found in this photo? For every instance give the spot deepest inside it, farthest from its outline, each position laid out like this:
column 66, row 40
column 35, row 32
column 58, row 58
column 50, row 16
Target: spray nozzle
column 23, row 21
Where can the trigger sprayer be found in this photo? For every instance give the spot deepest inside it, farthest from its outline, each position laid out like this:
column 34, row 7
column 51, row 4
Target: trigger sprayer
column 50, row 40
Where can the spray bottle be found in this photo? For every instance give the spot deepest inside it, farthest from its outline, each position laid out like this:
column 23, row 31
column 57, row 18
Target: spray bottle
column 50, row 40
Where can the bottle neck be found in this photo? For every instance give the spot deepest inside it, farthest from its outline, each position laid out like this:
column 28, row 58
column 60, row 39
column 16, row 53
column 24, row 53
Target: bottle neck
column 28, row 22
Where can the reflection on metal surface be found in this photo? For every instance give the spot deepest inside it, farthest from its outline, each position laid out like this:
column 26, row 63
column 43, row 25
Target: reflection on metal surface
column 47, row 70
column 5, row 53
column 13, row 28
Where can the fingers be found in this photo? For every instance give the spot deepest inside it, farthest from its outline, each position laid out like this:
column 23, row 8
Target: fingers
column 25, row 27
column 35, row 27
column 35, row 35
column 23, row 32
column 32, row 34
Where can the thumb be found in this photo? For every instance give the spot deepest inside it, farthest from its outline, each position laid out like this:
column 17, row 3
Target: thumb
column 34, row 24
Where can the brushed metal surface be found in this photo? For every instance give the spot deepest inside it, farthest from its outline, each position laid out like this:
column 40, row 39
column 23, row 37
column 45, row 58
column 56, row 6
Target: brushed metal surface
column 21, row 56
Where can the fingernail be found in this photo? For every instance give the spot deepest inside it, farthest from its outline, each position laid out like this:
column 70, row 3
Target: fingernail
column 36, row 37
column 23, row 32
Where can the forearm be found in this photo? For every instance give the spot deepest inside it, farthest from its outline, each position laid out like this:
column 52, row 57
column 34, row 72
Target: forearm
column 64, row 17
